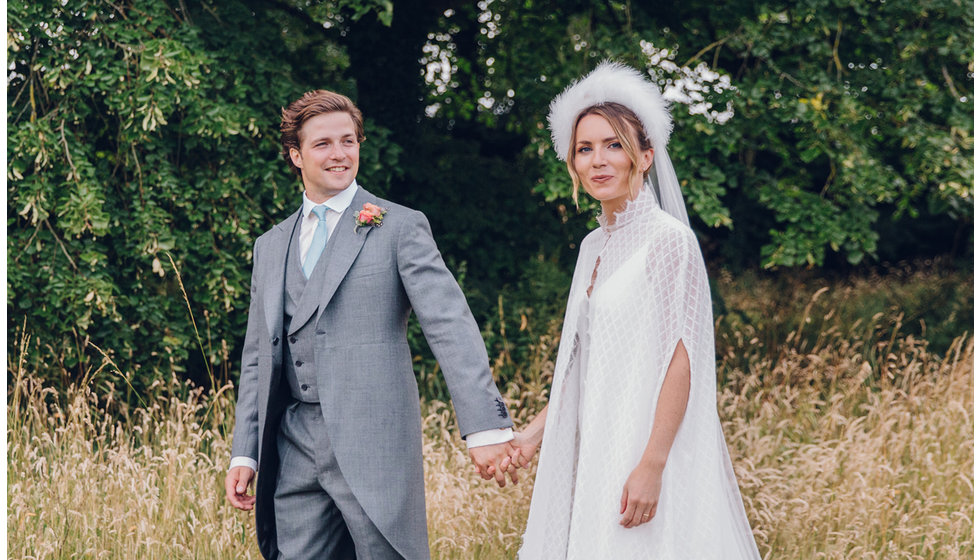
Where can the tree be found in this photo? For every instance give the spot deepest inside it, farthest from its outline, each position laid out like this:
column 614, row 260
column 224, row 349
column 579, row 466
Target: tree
column 143, row 142
column 798, row 126
column 142, row 131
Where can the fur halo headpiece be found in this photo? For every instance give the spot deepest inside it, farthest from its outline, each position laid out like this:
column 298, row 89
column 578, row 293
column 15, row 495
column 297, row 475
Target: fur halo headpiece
column 610, row 82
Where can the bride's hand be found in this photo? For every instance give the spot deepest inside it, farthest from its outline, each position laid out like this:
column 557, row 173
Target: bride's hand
column 525, row 447
column 641, row 494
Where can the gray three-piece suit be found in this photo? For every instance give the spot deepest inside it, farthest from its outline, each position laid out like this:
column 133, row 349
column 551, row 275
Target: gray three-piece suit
column 327, row 393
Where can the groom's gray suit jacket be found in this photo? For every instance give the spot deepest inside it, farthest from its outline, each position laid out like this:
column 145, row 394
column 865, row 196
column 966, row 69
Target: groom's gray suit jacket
column 367, row 390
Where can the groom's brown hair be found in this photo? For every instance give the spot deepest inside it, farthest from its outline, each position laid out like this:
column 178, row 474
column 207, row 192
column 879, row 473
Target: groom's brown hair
column 311, row 104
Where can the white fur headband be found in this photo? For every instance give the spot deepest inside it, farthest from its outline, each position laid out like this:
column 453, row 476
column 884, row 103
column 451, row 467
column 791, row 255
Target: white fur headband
column 610, row 82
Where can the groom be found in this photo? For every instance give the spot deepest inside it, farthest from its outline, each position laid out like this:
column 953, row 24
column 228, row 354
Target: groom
column 328, row 408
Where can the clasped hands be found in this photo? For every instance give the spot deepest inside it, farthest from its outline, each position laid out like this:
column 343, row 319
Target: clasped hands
column 641, row 493
column 491, row 462
column 497, row 462
column 502, row 460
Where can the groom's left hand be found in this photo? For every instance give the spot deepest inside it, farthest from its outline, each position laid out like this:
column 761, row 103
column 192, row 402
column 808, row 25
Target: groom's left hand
column 494, row 461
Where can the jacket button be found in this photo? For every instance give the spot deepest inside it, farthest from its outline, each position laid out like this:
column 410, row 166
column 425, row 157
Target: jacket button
column 304, row 387
column 299, row 363
column 292, row 340
column 275, row 340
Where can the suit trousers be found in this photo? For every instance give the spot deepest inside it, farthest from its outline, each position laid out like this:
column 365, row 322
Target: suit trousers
column 317, row 515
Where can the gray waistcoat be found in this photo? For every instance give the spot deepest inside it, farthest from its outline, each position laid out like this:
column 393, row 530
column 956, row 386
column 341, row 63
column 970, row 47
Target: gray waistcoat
column 298, row 358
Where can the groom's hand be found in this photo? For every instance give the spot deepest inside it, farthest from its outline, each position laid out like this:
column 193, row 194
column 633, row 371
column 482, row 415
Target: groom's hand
column 237, row 482
column 494, row 461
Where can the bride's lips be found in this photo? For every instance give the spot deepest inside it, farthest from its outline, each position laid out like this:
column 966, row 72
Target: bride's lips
column 600, row 178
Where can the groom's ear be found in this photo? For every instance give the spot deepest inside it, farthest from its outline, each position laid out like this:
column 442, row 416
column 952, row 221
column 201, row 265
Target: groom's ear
column 296, row 157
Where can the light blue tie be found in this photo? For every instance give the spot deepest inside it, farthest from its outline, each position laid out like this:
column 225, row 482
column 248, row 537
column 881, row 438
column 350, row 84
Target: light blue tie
column 319, row 241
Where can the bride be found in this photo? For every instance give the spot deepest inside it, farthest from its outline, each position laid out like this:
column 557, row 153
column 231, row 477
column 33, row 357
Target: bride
column 633, row 460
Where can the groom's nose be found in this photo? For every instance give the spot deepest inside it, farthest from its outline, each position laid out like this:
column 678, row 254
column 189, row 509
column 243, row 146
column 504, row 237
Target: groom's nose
column 335, row 152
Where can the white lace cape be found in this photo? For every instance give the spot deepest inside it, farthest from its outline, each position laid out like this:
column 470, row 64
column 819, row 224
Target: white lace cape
column 651, row 291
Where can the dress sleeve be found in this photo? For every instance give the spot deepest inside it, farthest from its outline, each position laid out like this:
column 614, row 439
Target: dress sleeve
column 682, row 297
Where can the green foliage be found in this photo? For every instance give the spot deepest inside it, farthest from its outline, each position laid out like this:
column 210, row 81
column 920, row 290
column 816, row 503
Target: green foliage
column 142, row 131
column 827, row 116
column 138, row 133
column 876, row 109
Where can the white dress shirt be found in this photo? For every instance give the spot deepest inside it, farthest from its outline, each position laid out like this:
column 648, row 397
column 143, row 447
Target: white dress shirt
column 337, row 205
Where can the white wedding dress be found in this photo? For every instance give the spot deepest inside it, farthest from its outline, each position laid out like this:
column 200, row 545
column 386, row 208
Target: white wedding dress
column 650, row 292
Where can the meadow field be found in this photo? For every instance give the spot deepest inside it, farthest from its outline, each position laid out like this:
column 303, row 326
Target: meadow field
column 847, row 406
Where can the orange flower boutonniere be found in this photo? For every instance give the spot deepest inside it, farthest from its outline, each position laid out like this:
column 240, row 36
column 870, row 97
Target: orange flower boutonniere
column 370, row 215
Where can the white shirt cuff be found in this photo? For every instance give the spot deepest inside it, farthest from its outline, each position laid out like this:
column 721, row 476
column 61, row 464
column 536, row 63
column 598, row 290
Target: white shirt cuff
column 489, row 437
column 243, row 462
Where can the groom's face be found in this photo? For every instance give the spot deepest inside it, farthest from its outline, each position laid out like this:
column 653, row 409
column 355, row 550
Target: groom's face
column 328, row 154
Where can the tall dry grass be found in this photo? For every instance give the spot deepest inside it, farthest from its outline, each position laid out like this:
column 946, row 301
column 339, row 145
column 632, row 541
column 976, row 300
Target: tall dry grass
column 845, row 446
column 84, row 483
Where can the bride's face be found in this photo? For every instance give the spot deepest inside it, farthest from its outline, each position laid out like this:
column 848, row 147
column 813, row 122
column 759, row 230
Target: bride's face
column 602, row 163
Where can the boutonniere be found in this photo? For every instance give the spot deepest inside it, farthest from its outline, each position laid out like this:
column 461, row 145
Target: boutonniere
column 370, row 215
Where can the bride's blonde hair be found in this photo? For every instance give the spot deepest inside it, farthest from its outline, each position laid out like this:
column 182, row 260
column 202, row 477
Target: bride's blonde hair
column 630, row 133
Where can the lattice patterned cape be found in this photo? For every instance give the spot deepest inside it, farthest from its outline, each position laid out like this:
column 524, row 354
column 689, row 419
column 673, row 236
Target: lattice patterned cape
column 650, row 291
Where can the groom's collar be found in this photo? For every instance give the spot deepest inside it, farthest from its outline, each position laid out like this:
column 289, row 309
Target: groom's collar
column 338, row 202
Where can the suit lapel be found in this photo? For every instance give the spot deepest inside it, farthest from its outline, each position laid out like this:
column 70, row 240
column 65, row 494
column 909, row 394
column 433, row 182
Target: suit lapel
column 347, row 245
column 273, row 290
column 338, row 256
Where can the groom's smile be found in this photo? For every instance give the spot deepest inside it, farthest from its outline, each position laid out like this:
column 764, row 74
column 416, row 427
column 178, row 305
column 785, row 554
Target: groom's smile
column 328, row 155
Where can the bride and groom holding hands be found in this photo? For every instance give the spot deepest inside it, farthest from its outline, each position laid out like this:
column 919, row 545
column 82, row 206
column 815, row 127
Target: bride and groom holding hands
column 633, row 462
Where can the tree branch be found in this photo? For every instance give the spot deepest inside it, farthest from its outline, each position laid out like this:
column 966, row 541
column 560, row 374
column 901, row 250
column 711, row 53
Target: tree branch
column 950, row 83
column 60, row 244
column 701, row 52
column 837, row 62
column 64, row 142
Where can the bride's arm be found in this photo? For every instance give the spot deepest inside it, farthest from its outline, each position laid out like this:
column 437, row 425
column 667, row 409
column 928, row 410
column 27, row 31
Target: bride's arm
column 527, row 442
column 641, row 493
